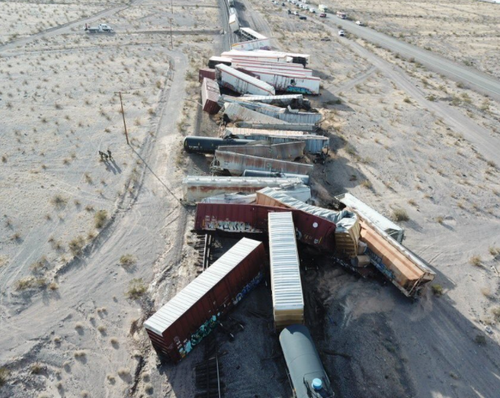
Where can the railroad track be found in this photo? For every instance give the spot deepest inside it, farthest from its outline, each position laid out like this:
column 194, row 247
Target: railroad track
column 208, row 373
column 203, row 245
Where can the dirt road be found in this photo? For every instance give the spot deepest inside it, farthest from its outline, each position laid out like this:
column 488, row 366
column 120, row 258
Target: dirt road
column 469, row 76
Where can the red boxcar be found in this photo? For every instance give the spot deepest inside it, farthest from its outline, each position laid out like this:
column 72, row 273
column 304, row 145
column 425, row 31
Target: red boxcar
column 248, row 219
column 177, row 327
column 206, row 72
column 210, row 94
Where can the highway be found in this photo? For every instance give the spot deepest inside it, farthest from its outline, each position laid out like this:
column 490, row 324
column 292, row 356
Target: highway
column 470, row 77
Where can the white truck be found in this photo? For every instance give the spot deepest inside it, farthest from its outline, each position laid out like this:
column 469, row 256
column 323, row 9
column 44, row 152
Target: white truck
column 323, row 8
column 101, row 28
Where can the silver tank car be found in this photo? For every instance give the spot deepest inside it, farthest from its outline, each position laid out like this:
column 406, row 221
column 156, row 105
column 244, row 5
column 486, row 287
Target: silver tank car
column 308, row 376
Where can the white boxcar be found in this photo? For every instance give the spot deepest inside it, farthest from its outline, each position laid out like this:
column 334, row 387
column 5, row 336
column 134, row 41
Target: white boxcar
column 367, row 213
column 314, row 143
column 286, row 286
column 197, row 188
column 282, row 69
column 252, row 45
column 234, row 22
column 276, row 56
column 240, row 82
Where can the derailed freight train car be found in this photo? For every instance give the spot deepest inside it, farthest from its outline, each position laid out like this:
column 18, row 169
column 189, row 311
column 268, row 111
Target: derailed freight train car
column 237, row 163
column 304, row 365
column 252, row 219
column 284, row 151
column 194, row 144
column 286, row 286
column 180, row 325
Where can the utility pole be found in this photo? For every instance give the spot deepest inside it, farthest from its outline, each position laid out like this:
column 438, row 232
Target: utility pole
column 123, row 115
column 171, row 22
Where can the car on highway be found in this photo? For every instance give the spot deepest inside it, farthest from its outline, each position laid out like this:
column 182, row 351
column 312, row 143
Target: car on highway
column 341, row 33
column 359, row 23
column 322, row 15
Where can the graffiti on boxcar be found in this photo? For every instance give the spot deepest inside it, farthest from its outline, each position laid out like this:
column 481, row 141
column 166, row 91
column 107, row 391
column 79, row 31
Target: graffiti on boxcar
column 203, row 331
column 254, row 282
column 230, row 226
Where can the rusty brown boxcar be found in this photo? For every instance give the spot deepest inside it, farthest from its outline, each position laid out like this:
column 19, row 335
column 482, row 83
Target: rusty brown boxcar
column 252, row 219
column 180, row 325
column 206, row 73
column 210, row 94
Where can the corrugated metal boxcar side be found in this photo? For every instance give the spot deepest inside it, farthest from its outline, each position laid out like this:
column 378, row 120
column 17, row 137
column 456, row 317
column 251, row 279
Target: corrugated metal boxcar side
column 240, row 82
column 286, row 286
column 273, row 126
column 256, row 173
column 314, row 143
column 249, row 219
column 196, row 144
column 237, row 163
column 194, row 312
column 206, row 73
column 398, row 264
column 197, row 188
column 238, row 112
column 210, row 94
column 286, row 151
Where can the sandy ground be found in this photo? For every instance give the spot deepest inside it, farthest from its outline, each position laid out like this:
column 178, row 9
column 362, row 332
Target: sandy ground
column 402, row 138
column 463, row 30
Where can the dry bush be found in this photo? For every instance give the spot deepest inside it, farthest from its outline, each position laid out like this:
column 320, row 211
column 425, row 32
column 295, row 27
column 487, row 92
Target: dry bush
column 4, row 375
column 496, row 313
column 123, row 372
column 100, row 218
column 76, row 245
column 36, row 368
column 127, row 260
column 136, row 289
column 79, row 354
column 400, row 215
column 476, row 261
column 494, row 251
column 25, row 283
column 367, row 184
column 59, row 200
column 440, row 219
column 437, row 290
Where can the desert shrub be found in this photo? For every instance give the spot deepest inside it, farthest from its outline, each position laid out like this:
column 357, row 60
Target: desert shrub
column 59, row 200
column 400, row 215
column 100, row 218
column 4, row 375
column 127, row 260
column 76, row 245
column 36, row 368
column 136, row 289
column 25, row 283
column 496, row 313
column 437, row 290
column 475, row 260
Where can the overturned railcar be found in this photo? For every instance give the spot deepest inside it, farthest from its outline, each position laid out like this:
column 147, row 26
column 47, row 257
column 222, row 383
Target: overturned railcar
column 177, row 327
column 307, row 374
column 193, row 144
